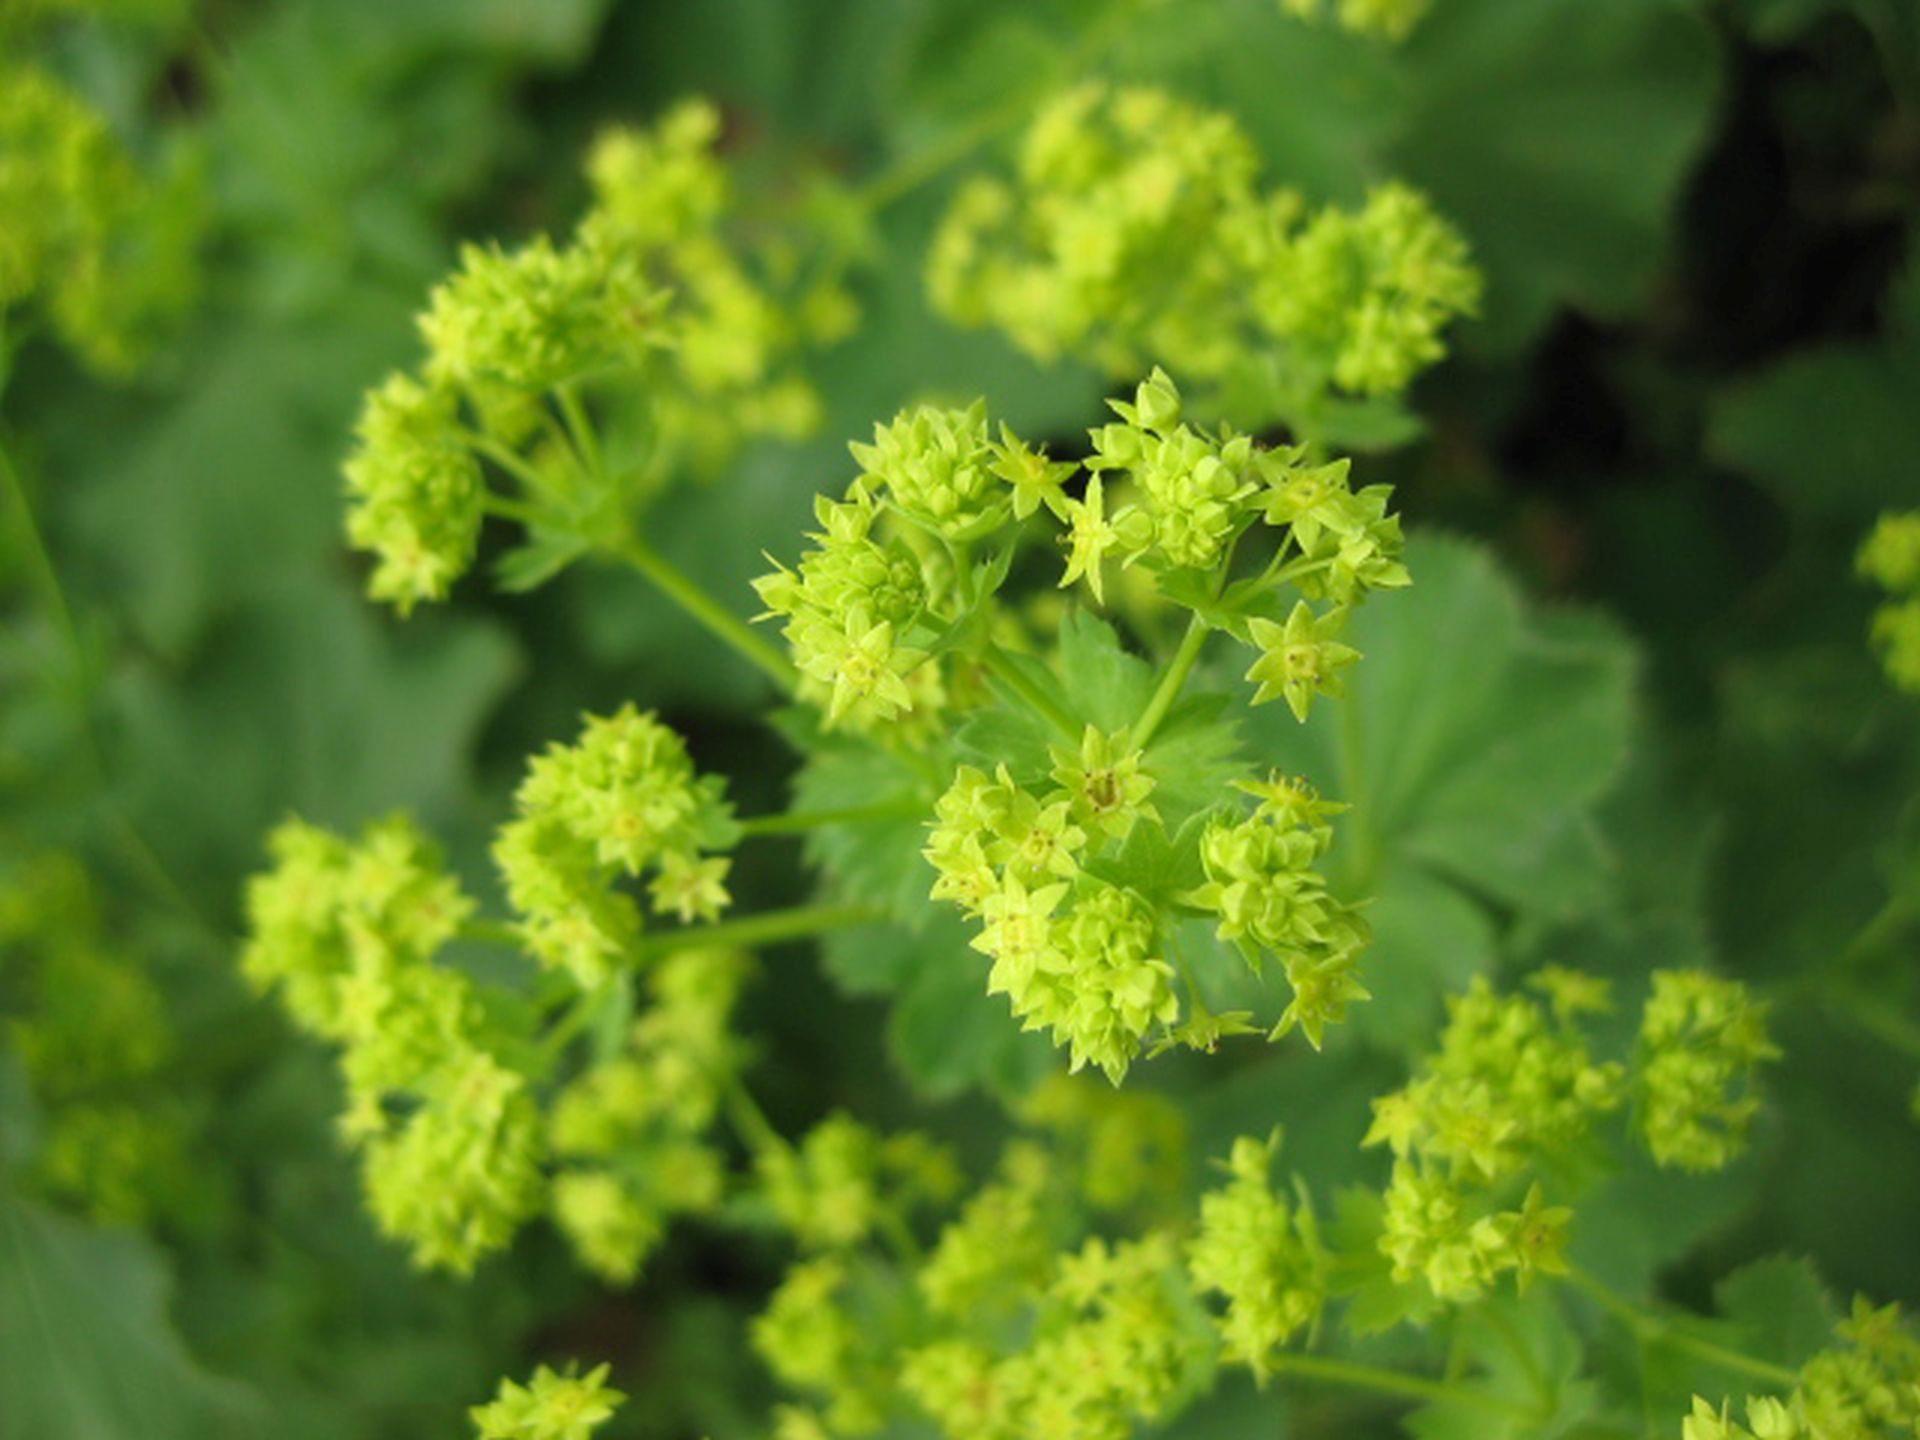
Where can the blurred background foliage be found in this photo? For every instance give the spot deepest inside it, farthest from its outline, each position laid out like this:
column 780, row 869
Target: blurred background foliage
column 1628, row 718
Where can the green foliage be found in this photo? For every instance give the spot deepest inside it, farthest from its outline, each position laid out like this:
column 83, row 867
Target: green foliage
column 88, row 1350
column 723, row 1038
column 1471, row 797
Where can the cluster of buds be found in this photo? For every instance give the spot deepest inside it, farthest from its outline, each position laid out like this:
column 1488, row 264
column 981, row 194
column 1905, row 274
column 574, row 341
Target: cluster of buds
column 624, row 801
column 1135, row 228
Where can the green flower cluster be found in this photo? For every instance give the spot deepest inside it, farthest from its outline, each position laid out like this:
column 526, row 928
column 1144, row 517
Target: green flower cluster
column 1109, row 1348
column 851, row 612
column 450, row 1133
column 1126, row 1148
column 1865, row 1388
column 1890, row 559
column 550, row 1406
column 1264, row 1256
column 1075, row 954
column 1262, row 884
column 871, row 601
column 995, row 1252
column 812, row 1337
column 997, row 1331
column 1514, row 1082
column 108, row 252
column 843, row 1181
column 87, row 1026
column 1135, row 230
column 890, row 617
column 1509, row 1083
column 416, row 493
column 646, row 300
column 1701, row 1040
column 1186, row 502
column 527, row 321
column 1392, row 19
column 662, row 200
column 442, row 1077
column 623, row 801
column 634, row 1127
column 1190, row 497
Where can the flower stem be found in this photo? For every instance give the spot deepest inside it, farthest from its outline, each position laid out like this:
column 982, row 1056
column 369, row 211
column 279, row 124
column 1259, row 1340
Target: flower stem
column 793, row 822
column 721, row 622
column 515, row 465
column 492, row 932
column 1387, row 1382
column 750, row 1122
column 1000, row 665
column 509, row 509
column 1169, row 689
column 756, row 931
column 585, row 439
column 1656, row 1328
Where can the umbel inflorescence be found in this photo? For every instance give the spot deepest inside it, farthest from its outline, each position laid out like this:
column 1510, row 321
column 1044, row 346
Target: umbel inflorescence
column 648, row 313
column 897, row 617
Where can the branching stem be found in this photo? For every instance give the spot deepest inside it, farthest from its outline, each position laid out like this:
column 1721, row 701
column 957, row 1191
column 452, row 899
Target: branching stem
column 1658, row 1329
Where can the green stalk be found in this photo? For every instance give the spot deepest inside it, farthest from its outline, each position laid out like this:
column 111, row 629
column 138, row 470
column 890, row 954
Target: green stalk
column 492, row 932
column 757, row 931
column 585, row 439
column 1654, row 1328
column 1000, row 665
column 515, row 465
column 793, row 822
column 1388, row 1382
column 721, row 622
column 510, row 509
column 1170, row 683
column 750, row 1122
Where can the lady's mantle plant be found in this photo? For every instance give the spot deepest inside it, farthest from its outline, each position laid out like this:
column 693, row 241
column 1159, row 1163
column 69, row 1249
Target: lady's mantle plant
column 970, row 624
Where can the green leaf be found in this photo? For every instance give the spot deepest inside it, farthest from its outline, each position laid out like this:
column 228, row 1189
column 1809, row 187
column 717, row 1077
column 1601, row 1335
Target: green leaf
column 1528, row 1358
column 1155, row 865
column 175, row 502
column 1194, row 757
column 882, row 959
column 1857, row 400
column 554, row 32
column 1018, row 739
column 1105, row 685
column 1376, row 1302
column 1641, row 1218
column 1593, row 112
column 944, row 1031
column 20, row 1122
column 86, row 1349
column 875, row 861
column 529, row 566
column 311, row 702
column 950, row 1036
column 1474, row 744
column 1782, row 1308
column 1429, row 940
